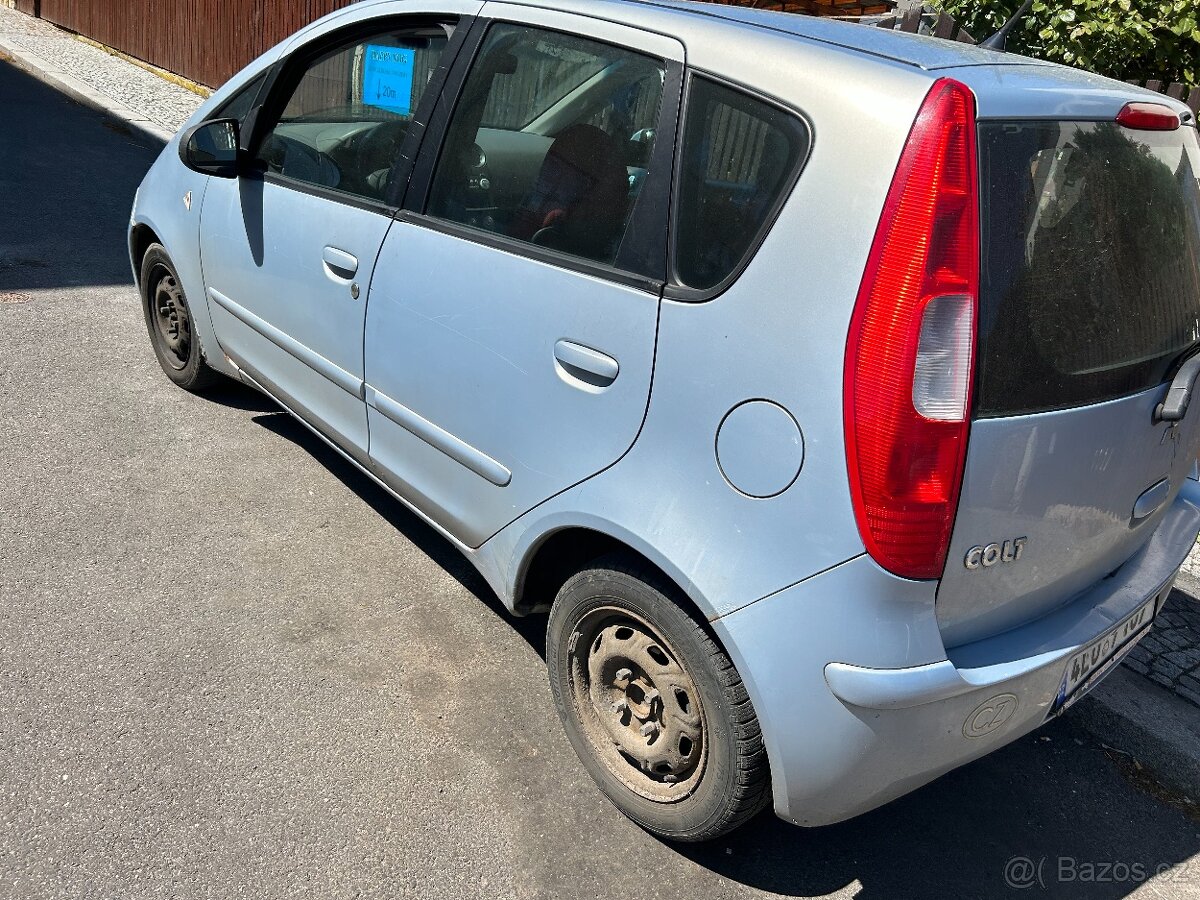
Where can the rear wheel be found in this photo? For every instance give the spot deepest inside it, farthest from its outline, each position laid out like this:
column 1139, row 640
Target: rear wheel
column 169, row 322
column 652, row 705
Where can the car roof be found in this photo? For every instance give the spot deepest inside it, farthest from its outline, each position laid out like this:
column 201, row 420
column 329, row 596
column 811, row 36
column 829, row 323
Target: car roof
column 912, row 49
column 717, row 36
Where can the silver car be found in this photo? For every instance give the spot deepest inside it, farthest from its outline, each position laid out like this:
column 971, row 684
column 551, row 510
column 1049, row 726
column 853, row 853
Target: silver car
column 828, row 386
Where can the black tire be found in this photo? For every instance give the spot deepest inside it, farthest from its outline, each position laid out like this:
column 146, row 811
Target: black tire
column 169, row 323
column 708, row 791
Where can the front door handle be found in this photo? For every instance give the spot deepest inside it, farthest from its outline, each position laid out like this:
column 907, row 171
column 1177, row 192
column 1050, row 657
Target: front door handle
column 339, row 263
column 585, row 364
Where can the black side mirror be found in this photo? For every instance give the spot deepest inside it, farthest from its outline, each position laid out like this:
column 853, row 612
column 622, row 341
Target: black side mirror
column 212, row 148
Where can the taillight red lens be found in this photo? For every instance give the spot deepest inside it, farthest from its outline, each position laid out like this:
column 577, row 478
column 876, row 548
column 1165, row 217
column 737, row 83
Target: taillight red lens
column 1148, row 117
column 910, row 352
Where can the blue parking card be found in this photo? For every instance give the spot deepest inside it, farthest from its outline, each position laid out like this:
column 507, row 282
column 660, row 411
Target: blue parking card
column 388, row 78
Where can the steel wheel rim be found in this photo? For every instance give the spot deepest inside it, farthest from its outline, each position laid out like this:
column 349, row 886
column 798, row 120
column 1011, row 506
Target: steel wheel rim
column 172, row 321
column 639, row 708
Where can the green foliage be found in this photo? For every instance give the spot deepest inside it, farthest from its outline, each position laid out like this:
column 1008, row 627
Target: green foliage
column 1119, row 38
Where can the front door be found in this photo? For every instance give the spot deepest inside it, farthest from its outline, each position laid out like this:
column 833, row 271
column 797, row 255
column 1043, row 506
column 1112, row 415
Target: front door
column 511, row 326
column 289, row 251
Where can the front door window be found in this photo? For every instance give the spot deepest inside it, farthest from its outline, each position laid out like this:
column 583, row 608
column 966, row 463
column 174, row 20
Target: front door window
column 348, row 114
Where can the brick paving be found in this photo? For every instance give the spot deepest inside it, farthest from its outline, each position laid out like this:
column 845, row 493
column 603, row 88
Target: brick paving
column 1170, row 654
column 152, row 97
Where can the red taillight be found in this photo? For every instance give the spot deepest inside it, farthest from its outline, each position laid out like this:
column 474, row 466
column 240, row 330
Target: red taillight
column 910, row 352
column 1148, row 117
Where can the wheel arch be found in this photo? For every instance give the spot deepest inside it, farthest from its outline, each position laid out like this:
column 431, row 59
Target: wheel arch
column 752, row 760
column 179, row 236
column 141, row 236
column 561, row 551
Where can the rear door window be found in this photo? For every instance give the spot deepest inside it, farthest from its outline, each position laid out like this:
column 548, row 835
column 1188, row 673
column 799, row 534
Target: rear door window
column 1090, row 284
column 550, row 142
column 739, row 159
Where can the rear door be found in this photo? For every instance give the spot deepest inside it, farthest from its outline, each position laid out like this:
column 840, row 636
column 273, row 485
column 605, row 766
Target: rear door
column 1090, row 299
column 512, row 322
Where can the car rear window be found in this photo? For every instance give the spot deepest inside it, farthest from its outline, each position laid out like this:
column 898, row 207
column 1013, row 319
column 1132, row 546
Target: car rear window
column 1090, row 283
column 740, row 157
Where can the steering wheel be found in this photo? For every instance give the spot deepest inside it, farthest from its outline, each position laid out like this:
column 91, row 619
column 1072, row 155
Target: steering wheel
column 378, row 148
column 298, row 160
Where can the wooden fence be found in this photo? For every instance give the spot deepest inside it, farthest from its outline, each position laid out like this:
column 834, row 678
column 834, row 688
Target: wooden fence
column 1175, row 91
column 209, row 40
column 915, row 20
column 204, row 40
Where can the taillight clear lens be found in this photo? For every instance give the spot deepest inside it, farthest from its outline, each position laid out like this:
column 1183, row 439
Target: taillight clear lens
column 910, row 352
column 942, row 375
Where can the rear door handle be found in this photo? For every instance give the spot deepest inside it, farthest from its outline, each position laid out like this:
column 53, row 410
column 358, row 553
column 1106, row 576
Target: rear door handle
column 339, row 263
column 1151, row 500
column 585, row 364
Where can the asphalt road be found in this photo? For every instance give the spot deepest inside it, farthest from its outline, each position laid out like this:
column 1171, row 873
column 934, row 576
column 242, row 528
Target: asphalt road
column 230, row 666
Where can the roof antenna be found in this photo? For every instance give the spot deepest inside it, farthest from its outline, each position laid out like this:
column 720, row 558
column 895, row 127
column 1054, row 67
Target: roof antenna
column 997, row 40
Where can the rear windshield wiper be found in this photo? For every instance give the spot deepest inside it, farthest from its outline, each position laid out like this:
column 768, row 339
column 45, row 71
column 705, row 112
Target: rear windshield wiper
column 1179, row 394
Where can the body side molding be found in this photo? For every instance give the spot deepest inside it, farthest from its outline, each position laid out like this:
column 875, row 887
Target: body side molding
column 347, row 381
column 438, row 438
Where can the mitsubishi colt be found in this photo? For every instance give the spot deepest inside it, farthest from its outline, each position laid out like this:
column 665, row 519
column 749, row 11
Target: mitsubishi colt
column 828, row 387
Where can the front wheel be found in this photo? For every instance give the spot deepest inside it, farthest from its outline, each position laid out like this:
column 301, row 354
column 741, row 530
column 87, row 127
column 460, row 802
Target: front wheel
column 652, row 705
column 170, row 323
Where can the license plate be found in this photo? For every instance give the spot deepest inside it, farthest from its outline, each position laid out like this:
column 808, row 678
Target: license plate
column 1087, row 666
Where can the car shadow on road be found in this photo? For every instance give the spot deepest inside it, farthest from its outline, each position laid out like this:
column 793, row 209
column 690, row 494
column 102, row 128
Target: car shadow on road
column 1050, row 812
column 236, row 395
column 423, row 536
column 66, row 187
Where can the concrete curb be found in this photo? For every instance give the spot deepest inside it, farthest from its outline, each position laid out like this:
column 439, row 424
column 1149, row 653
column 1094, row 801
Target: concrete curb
column 178, row 80
column 1188, row 584
column 1158, row 729
column 46, row 71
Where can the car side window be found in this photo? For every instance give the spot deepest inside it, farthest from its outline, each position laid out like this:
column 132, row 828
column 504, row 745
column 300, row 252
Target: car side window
column 239, row 104
column 739, row 155
column 550, row 141
column 348, row 113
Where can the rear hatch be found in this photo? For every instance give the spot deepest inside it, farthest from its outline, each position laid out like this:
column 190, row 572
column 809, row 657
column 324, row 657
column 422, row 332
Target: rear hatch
column 1089, row 302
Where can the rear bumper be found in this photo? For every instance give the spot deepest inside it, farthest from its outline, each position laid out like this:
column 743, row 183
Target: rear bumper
column 860, row 702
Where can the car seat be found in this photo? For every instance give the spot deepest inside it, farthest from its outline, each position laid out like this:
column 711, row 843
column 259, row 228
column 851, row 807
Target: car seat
column 579, row 199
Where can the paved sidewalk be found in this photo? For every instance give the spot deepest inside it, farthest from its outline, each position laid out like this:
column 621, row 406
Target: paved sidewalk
column 136, row 96
column 1170, row 654
column 1192, row 565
